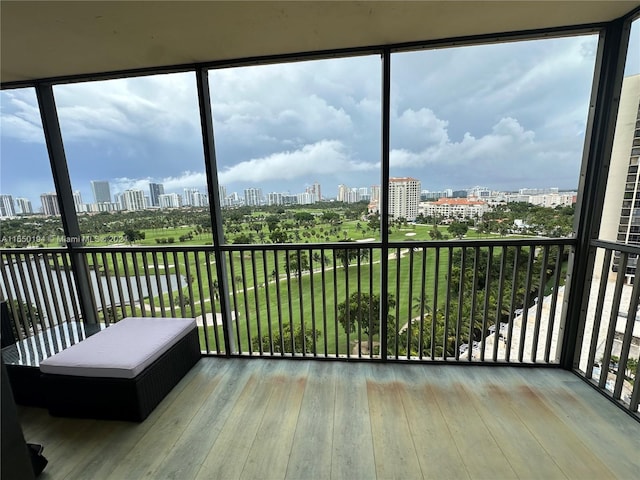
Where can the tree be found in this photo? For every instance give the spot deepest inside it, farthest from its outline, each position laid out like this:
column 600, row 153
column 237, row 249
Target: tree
column 363, row 310
column 132, row 235
column 459, row 229
column 297, row 262
column 302, row 342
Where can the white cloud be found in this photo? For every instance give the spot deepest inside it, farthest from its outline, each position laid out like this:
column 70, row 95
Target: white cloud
column 320, row 158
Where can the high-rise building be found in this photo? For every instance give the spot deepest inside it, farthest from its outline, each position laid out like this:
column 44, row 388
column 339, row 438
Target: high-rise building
column 404, row 197
column 199, row 200
column 101, row 191
column 77, row 201
column 274, row 198
column 375, row 194
column 343, row 193
column 253, row 197
column 155, row 190
column 24, row 206
column 315, row 191
column 132, row 200
column 621, row 212
column 169, row 200
column 50, row 203
column 222, row 193
column 7, row 208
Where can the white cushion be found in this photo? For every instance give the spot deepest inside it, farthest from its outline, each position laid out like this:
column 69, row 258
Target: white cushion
column 122, row 350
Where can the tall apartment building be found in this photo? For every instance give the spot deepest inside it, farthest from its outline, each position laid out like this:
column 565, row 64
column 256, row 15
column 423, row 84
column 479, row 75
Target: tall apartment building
column 7, row 208
column 24, row 206
column 621, row 213
column 132, row 200
column 155, row 190
column 101, row 191
column 253, row 197
column 404, row 197
column 77, row 201
column 222, row 193
column 169, row 200
column 50, row 203
column 315, row 191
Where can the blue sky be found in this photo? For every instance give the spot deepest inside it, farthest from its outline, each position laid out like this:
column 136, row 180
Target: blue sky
column 504, row 116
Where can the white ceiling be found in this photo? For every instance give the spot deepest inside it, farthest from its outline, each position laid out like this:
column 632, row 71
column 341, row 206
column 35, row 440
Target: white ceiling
column 56, row 38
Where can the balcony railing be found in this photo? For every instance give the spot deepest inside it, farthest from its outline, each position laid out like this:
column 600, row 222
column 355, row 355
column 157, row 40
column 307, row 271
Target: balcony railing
column 497, row 301
column 608, row 352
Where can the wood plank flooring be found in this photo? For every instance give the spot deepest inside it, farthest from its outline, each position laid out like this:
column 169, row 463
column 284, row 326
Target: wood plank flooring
column 275, row 419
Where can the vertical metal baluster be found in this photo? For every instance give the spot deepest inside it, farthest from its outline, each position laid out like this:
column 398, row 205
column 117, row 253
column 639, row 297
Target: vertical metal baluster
column 635, row 393
column 136, row 272
column 474, row 294
column 167, row 276
column 554, row 302
column 190, row 280
column 514, row 288
column 627, row 337
column 55, row 299
column 525, row 305
column 359, row 288
column 398, row 299
column 158, row 275
column 313, row 305
column 268, row 300
column 232, row 273
column 540, row 303
column 434, row 308
column 66, row 312
column 290, row 307
column 29, row 295
column 301, row 304
column 498, row 332
column 127, row 279
column 611, row 331
column 423, row 298
column 463, row 262
column 96, row 271
column 203, row 310
column 485, row 314
column 279, row 301
column 176, row 262
column 147, row 279
column 335, row 302
column 49, row 332
column 447, row 304
column 324, row 303
column 370, row 336
column 116, row 272
column 112, row 306
column 13, row 295
column 256, row 299
column 348, row 302
column 71, row 287
column 214, row 311
column 410, row 303
column 245, row 295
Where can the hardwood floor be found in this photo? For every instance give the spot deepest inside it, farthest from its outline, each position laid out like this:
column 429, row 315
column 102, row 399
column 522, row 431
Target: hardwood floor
column 258, row 418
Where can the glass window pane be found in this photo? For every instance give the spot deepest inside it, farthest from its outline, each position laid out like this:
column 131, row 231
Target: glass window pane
column 29, row 212
column 479, row 127
column 298, row 149
column 134, row 151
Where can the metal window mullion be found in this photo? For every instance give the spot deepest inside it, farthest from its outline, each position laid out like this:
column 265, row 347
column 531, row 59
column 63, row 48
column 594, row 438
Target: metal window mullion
column 215, row 208
column 384, row 204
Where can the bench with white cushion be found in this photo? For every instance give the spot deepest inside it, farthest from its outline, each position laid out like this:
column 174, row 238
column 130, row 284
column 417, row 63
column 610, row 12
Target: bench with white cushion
column 123, row 371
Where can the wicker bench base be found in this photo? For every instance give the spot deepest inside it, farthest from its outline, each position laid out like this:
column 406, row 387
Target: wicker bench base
column 122, row 399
